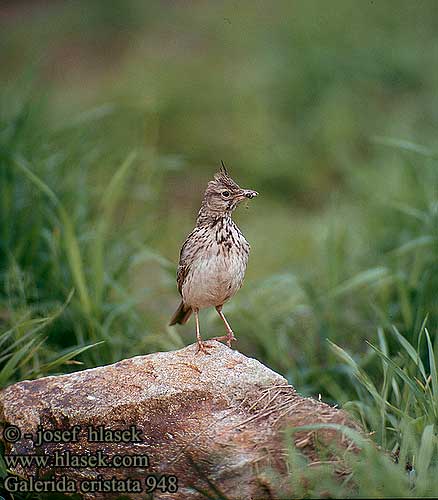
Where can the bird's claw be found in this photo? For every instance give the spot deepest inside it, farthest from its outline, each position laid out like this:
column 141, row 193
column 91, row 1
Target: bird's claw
column 227, row 338
column 203, row 347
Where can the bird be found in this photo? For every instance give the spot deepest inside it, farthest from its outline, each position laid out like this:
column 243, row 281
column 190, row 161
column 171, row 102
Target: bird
column 214, row 256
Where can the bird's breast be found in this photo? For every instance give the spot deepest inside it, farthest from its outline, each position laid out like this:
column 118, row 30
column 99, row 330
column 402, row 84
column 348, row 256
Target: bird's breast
column 218, row 269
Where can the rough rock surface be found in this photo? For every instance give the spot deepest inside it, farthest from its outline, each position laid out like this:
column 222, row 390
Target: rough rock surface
column 214, row 421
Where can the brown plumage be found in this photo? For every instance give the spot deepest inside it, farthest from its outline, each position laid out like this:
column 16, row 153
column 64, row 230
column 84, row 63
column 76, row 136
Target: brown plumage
column 214, row 256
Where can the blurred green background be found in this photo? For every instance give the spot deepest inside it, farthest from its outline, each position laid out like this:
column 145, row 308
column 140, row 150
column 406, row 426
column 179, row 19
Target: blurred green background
column 114, row 116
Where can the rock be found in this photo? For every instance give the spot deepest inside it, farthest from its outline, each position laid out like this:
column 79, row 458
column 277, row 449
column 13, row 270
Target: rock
column 214, row 422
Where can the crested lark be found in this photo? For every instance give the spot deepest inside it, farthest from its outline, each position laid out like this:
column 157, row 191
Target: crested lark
column 213, row 258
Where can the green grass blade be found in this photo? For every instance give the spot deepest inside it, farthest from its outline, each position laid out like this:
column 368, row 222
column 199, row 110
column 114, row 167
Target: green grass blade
column 358, row 373
column 61, row 360
column 12, row 364
column 71, row 244
column 425, row 455
column 75, row 260
column 42, row 186
column 40, row 323
column 415, row 244
column 433, row 371
column 413, row 385
column 412, row 353
column 109, row 202
column 385, row 385
column 405, row 145
column 365, row 278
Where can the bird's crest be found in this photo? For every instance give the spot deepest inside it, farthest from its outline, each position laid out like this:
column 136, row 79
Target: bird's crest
column 224, row 177
column 223, row 168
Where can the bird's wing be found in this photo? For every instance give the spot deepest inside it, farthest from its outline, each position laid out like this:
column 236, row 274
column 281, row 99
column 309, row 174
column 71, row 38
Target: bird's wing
column 181, row 276
column 185, row 260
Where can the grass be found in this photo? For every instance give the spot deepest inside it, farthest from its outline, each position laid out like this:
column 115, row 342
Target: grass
column 400, row 414
column 328, row 113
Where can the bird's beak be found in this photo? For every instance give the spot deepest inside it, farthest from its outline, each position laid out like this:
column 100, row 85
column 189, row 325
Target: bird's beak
column 249, row 193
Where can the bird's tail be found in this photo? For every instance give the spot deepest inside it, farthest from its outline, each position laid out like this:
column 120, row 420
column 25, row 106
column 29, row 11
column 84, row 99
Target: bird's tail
column 182, row 315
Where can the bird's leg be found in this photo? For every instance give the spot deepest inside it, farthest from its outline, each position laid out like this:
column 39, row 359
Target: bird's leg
column 229, row 337
column 201, row 346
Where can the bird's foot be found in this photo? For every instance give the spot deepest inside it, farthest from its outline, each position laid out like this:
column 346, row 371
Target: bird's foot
column 227, row 338
column 203, row 347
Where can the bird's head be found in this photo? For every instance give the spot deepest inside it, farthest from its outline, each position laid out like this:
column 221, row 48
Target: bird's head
column 223, row 195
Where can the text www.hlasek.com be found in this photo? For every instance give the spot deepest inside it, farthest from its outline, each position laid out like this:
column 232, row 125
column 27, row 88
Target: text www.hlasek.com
column 68, row 459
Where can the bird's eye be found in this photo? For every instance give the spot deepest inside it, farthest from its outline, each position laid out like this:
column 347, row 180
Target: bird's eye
column 225, row 194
